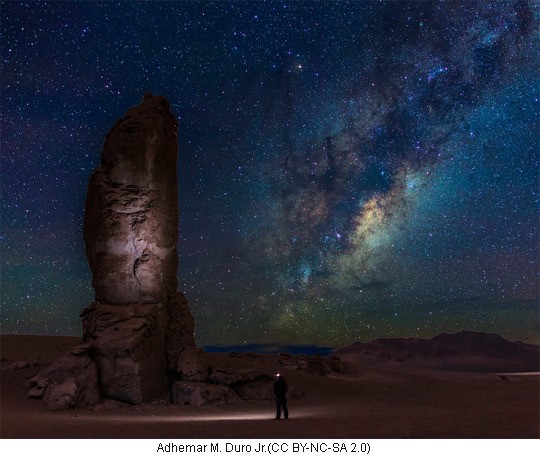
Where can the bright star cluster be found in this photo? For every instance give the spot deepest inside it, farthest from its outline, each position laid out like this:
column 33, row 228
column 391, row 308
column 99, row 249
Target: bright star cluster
column 347, row 170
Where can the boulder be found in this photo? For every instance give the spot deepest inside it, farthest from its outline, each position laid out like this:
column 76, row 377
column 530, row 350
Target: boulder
column 257, row 386
column 302, row 361
column 250, row 375
column 37, row 386
column 336, row 365
column 256, row 390
column 225, row 377
column 192, row 364
column 318, row 366
column 288, row 362
column 198, row 394
column 249, row 384
column 62, row 396
column 72, row 380
column 21, row 364
column 109, row 404
column 254, row 386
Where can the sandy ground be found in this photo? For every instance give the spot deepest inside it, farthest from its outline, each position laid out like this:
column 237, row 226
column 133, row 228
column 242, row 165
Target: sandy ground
column 374, row 400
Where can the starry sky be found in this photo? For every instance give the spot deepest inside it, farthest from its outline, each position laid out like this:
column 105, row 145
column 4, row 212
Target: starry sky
column 347, row 170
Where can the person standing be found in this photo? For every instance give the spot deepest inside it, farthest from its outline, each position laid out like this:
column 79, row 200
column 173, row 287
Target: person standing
column 280, row 391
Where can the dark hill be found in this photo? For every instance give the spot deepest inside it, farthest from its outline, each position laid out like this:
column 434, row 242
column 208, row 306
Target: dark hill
column 463, row 351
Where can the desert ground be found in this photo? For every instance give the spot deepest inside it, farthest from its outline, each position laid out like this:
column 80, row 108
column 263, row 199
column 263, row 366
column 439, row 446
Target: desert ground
column 372, row 399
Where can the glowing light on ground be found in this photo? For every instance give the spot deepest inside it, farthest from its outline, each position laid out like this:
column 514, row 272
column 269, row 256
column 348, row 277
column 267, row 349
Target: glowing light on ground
column 183, row 417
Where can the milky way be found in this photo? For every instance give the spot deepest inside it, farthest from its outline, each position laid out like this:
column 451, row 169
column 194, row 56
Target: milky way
column 348, row 170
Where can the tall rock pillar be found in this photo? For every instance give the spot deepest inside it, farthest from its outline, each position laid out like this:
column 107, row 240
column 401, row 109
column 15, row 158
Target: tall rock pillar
column 138, row 324
column 131, row 212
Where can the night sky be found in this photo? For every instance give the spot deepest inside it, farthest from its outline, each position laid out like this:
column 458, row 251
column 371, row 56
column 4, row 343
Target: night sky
column 347, row 170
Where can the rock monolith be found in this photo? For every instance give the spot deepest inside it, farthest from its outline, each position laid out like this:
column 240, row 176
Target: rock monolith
column 138, row 325
column 131, row 212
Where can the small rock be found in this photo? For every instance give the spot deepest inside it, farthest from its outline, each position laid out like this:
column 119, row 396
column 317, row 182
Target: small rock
column 318, row 366
column 302, row 362
column 109, row 404
column 193, row 365
column 336, row 364
column 62, row 396
column 35, row 392
column 37, row 386
column 21, row 364
column 288, row 362
column 81, row 349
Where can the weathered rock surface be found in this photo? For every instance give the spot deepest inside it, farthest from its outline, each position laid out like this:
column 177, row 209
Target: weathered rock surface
column 21, row 365
column 256, row 385
column 139, row 324
column 181, row 328
column 193, row 365
column 131, row 211
column 250, row 385
column 129, row 348
column 312, row 364
column 109, row 404
column 318, row 366
column 198, row 394
column 72, row 380
column 62, row 396
column 289, row 362
column 136, row 330
column 335, row 363
column 225, row 377
column 259, row 388
column 135, row 344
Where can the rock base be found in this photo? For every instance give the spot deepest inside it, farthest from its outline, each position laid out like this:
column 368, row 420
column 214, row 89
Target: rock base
column 70, row 381
column 130, row 347
column 198, row 394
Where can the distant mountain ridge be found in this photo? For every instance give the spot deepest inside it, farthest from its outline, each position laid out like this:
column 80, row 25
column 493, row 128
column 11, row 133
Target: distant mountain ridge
column 463, row 351
column 273, row 349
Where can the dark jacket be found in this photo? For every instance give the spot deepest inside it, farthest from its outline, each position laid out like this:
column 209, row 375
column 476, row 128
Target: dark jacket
column 280, row 387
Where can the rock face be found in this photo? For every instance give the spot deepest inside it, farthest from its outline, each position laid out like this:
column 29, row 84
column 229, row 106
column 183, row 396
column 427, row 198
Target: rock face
column 180, row 331
column 198, row 394
column 314, row 364
column 229, row 386
column 192, row 365
column 70, row 381
column 139, row 324
column 131, row 211
column 129, row 348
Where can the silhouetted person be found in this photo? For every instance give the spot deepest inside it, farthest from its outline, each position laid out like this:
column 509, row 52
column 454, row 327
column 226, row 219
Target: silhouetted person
column 280, row 390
